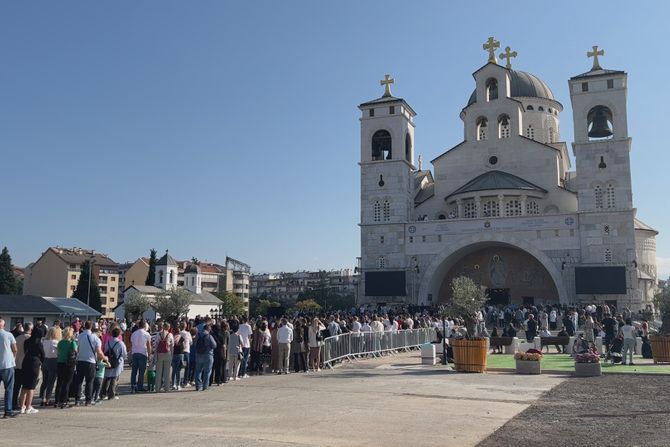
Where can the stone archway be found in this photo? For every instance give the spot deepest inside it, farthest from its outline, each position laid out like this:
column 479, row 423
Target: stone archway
column 444, row 262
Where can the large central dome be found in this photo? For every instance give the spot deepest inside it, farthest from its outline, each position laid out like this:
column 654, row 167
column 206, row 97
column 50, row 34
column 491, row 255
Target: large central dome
column 523, row 84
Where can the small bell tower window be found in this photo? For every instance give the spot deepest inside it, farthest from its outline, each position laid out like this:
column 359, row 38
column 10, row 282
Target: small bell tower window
column 491, row 89
column 482, row 129
column 381, row 145
column 503, row 126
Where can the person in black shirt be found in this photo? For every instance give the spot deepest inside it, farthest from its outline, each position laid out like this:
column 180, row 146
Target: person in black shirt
column 531, row 328
column 610, row 328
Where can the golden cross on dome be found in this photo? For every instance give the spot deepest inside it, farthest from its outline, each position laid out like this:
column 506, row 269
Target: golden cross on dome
column 491, row 45
column 386, row 82
column 508, row 54
column 594, row 54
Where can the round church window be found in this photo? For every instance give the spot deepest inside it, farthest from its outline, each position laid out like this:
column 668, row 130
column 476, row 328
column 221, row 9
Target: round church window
column 493, row 160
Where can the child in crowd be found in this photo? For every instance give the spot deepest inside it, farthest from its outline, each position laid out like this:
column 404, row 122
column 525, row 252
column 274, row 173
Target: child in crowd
column 99, row 377
column 151, row 374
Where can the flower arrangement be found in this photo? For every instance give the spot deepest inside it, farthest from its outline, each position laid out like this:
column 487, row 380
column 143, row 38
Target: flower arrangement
column 587, row 357
column 532, row 355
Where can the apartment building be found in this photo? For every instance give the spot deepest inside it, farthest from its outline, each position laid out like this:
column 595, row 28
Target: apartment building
column 288, row 286
column 56, row 274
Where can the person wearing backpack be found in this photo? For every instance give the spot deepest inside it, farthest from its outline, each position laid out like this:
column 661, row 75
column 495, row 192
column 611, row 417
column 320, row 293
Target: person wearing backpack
column 204, row 358
column 116, row 352
column 164, row 348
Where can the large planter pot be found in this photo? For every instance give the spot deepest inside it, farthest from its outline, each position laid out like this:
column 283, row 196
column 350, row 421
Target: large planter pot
column 588, row 369
column 469, row 355
column 660, row 348
column 528, row 367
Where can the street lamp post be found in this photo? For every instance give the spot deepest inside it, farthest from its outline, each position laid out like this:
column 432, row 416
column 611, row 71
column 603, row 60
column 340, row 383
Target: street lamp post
column 88, row 291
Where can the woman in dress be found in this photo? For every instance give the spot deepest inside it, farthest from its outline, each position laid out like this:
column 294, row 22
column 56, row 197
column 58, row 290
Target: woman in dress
column 67, row 359
column 234, row 351
column 50, row 365
column 30, row 369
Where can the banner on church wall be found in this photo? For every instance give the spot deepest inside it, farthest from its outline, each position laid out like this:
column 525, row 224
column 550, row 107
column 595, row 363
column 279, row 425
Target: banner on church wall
column 464, row 226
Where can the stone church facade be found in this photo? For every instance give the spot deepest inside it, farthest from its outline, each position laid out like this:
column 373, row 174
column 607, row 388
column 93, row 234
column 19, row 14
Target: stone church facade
column 505, row 206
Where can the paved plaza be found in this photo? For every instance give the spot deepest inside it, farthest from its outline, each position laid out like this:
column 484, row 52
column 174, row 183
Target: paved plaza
column 359, row 404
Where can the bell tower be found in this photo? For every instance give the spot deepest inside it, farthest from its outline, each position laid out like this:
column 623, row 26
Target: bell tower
column 387, row 181
column 603, row 175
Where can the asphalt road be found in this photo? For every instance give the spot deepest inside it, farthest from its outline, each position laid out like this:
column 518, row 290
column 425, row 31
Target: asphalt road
column 392, row 400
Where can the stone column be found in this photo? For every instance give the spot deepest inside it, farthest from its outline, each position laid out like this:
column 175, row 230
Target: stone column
column 459, row 204
column 501, row 205
column 523, row 205
column 478, row 205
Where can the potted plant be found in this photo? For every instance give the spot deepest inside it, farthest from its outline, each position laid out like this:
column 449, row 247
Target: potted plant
column 468, row 298
column 528, row 362
column 660, row 343
column 587, row 365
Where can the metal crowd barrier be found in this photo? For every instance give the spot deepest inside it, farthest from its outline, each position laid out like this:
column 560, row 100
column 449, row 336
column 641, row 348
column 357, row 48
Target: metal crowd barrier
column 358, row 344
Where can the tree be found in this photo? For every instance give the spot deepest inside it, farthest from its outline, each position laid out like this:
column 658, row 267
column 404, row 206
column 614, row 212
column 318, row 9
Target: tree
column 231, row 304
column 8, row 283
column 468, row 298
column 172, row 304
column 151, row 276
column 662, row 304
column 136, row 304
column 263, row 307
column 306, row 306
column 85, row 292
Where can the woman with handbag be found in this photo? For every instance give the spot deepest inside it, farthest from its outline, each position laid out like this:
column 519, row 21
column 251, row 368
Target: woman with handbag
column 315, row 340
column 234, row 351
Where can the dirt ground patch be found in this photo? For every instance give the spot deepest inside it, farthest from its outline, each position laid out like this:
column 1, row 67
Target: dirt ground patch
column 611, row 410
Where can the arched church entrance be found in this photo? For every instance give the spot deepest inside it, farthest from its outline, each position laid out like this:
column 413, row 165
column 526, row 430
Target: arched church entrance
column 511, row 268
column 510, row 275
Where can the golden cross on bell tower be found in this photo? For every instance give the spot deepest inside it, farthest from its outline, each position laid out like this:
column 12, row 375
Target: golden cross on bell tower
column 594, row 54
column 508, row 54
column 386, row 82
column 491, row 45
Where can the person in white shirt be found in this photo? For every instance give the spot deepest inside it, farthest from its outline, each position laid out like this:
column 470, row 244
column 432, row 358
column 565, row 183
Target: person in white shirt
column 284, row 339
column 365, row 327
column 628, row 332
column 409, row 322
column 141, row 351
column 244, row 333
column 50, row 364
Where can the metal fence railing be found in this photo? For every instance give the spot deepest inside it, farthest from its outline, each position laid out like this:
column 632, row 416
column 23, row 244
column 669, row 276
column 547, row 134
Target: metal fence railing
column 357, row 344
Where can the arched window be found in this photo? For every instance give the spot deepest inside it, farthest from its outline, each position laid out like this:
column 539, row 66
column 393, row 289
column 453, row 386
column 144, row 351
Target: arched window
column 381, row 262
column 470, row 209
column 482, row 129
column 408, row 148
column 171, row 276
column 607, row 256
column 599, row 196
column 160, row 277
column 530, row 132
column 611, row 203
column 540, row 109
column 377, row 212
column 532, row 208
column 599, row 123
column 503, row 126
column 530, row 108
column 387, row 211
column 192, row 280
column 441, row 217
column 551, row 135
column 491, row 89
column 491, row 208
column 381, row 145
column 513, row 208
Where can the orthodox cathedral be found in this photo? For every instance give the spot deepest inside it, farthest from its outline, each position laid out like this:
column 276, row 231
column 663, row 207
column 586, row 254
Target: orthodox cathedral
column 505, row 206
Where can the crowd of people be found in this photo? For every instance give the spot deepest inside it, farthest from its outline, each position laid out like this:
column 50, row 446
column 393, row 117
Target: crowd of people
column 80, row 363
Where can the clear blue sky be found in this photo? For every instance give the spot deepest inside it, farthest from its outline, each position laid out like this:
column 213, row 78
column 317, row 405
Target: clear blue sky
column 214, row 128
